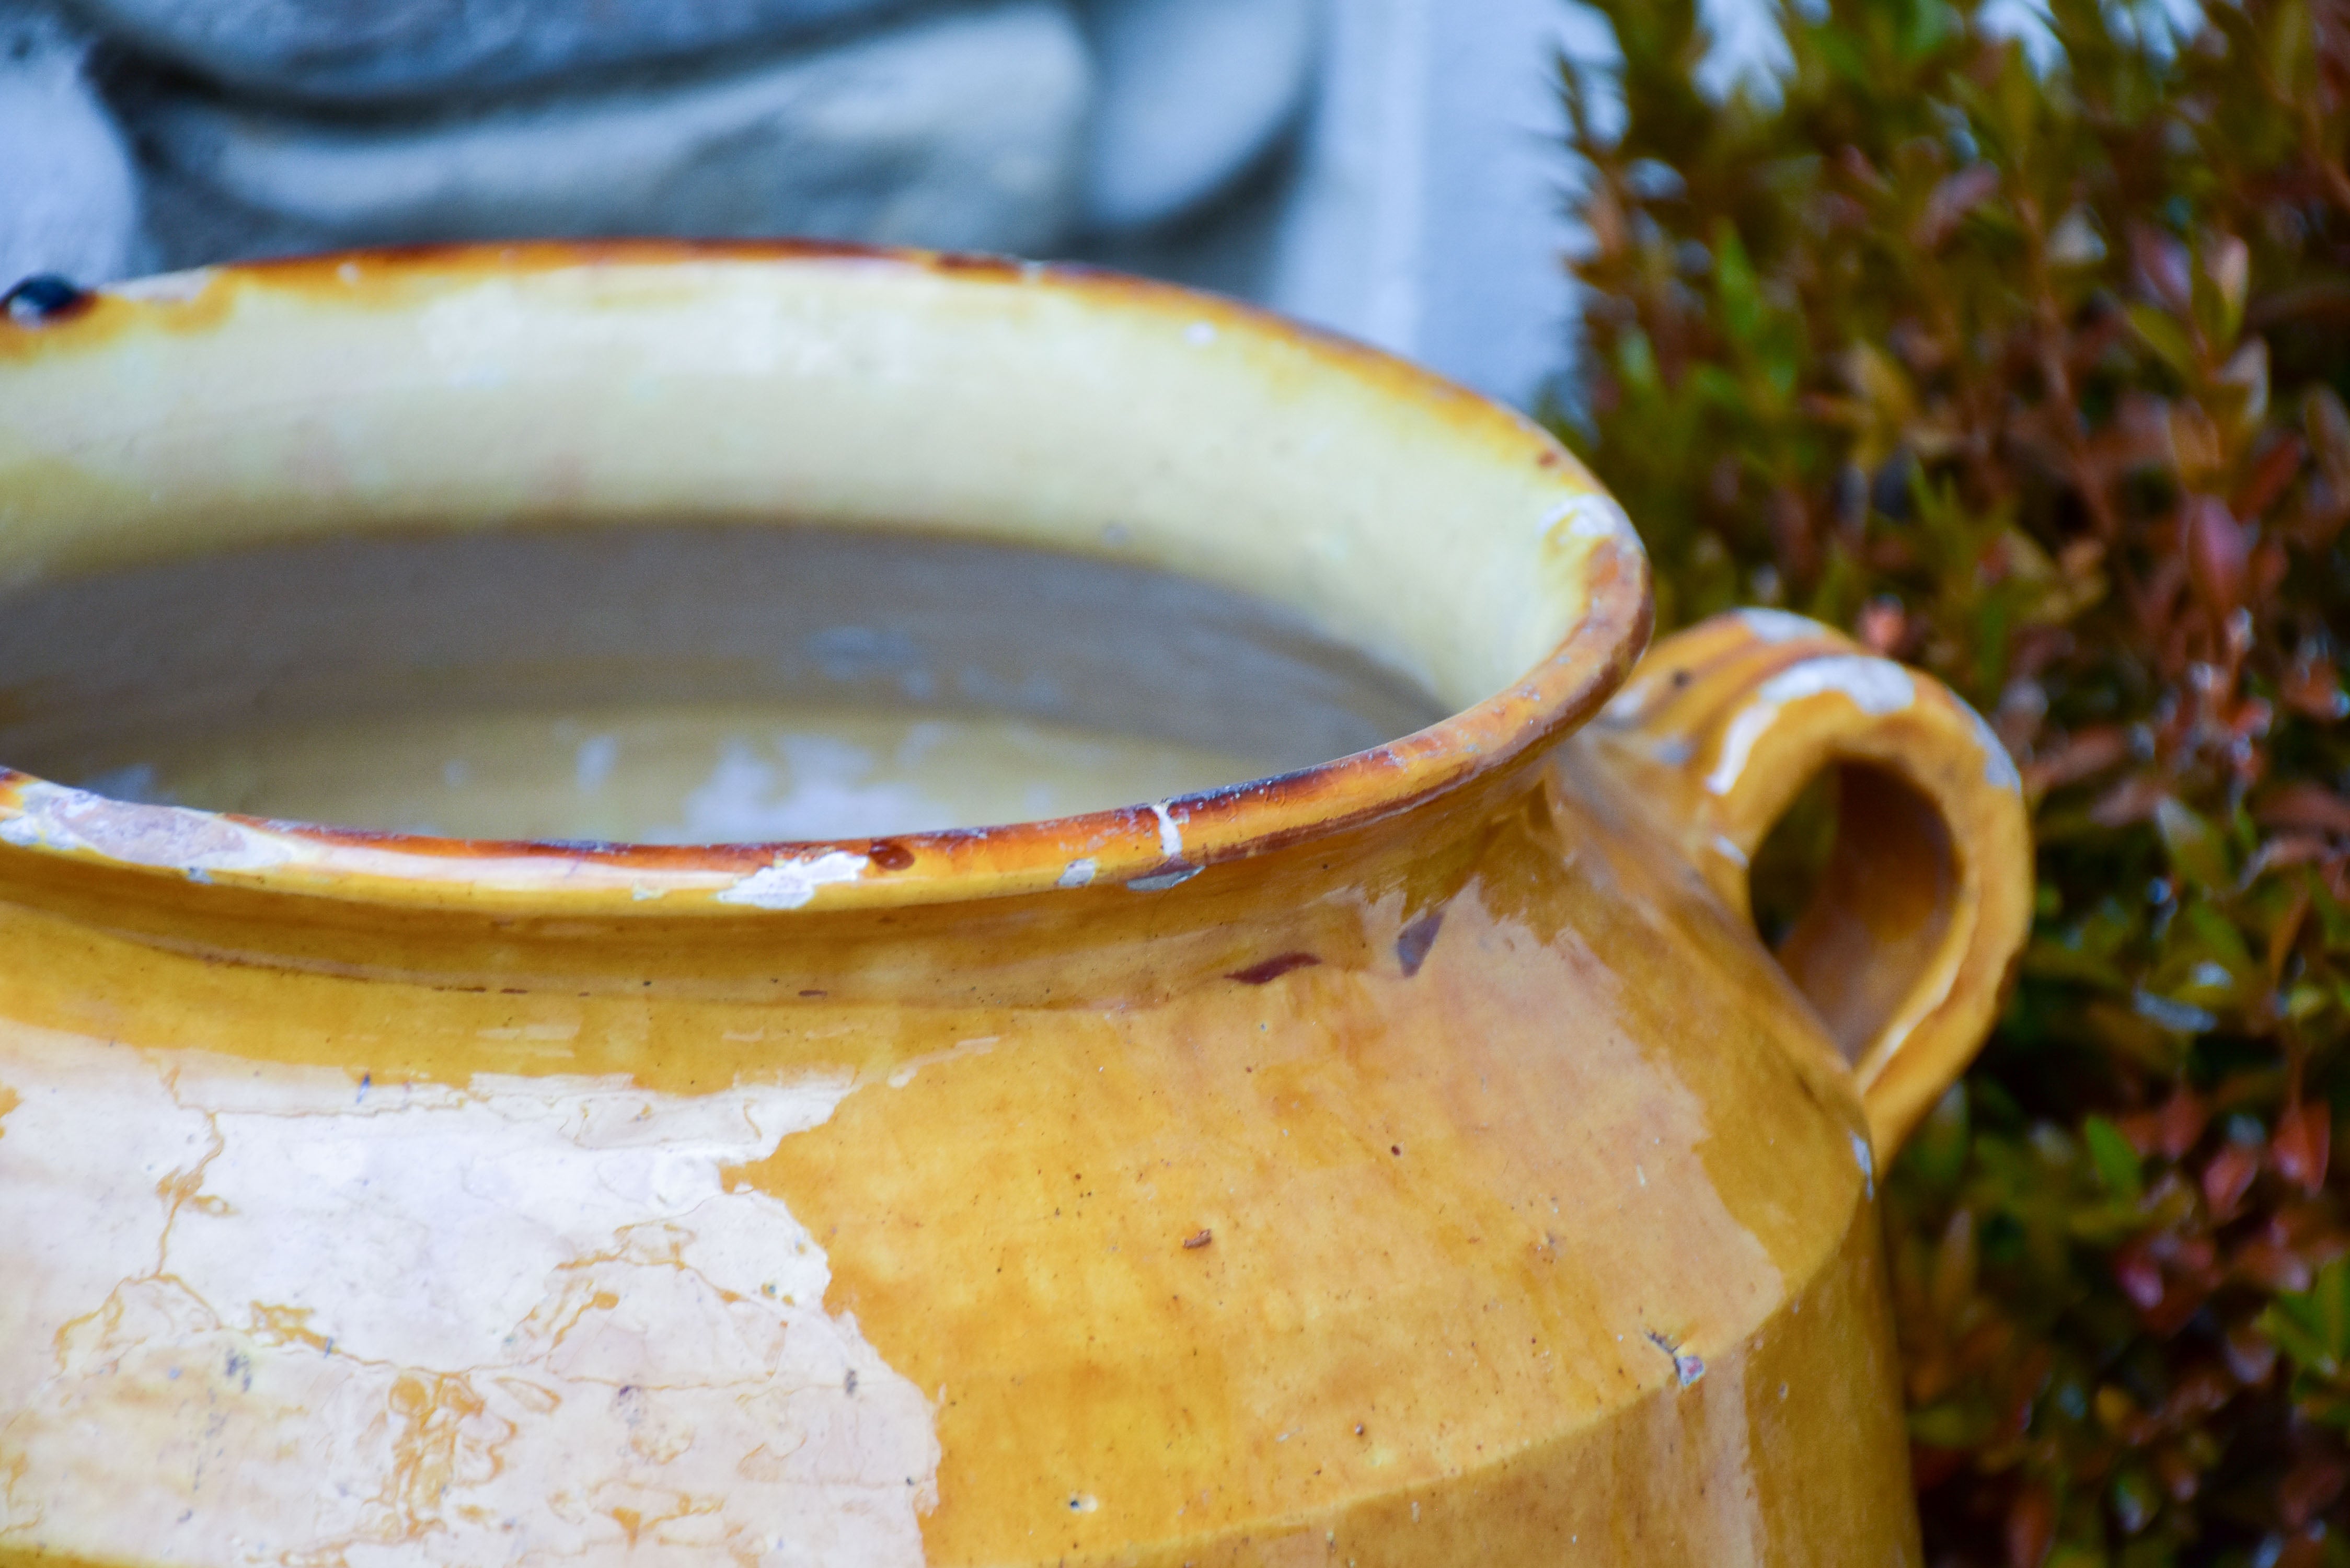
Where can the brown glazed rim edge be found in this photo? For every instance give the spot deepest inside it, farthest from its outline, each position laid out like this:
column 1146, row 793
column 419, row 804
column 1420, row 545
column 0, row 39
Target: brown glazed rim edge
column 1150, row 847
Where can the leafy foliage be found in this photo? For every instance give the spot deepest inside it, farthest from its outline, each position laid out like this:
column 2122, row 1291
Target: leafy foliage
column 2035, row 377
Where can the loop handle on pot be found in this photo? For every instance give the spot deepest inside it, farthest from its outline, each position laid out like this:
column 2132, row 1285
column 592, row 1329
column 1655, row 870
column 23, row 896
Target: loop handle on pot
column 1907, row 944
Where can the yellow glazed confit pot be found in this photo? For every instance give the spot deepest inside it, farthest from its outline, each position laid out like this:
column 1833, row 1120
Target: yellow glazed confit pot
column 1414, row 1158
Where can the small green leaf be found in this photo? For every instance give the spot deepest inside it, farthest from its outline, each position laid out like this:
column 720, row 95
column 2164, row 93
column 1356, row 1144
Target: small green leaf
column 2196, row 850
column 1736, row 286
column 2328, row 426
column 1949, row 1425
column 2135, row 1499
column 1635, row 361
column 2162, row 332
column 2290, row 56
column 1937, row 1152
column 2117, row 1164
column 2312, row 1327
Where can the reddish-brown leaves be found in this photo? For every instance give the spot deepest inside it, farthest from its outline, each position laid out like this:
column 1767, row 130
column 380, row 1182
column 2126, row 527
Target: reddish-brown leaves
column 2301, row 1144
column 2032, row 381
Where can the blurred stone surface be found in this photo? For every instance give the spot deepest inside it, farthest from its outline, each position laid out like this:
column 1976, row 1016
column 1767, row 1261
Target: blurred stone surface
column 68, row 196
column 1431, row 214
column 1193, row 93
column 1389, row 169
column 358, row 50
column 964, row 130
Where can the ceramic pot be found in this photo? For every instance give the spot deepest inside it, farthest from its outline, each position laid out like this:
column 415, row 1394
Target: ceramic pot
column 1414, row 1158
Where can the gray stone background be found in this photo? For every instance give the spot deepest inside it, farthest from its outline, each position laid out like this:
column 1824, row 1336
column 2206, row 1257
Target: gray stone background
column 1388, row 168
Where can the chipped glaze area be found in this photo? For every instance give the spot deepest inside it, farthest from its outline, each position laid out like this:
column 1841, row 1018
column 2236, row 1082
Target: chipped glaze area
column 1158, row 882
column 1777, row 625
column 1593, row 517
column 794, row 880
column 284, row 1317
column 198, row 845
column 1170, row 831
column 52, row 817
column 1999, row 767
column 166, row 288
column 1878, row 687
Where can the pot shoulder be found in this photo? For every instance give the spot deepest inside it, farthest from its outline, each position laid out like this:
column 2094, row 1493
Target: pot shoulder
column 1500, row 1209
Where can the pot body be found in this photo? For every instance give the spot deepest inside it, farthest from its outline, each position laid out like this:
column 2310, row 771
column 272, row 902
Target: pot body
column 1488, row 1192
column 1452, row 1183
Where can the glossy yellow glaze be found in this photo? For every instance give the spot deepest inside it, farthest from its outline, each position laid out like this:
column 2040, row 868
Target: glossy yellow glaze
column 1415, row 1161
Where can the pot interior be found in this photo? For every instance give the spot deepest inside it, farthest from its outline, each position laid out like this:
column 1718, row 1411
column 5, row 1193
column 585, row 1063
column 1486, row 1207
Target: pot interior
column 671, row 683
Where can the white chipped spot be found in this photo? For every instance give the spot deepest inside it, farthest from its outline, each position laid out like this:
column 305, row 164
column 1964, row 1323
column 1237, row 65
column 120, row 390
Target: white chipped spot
column 1688, row 1366
column 789, row 883
column 1082, row 1502
column 1866, row 1158
column 1999, row 768
column 1586, row 517
column 1199, row 334
column 166, row 288
column 26, row 832
column 54, row 817
column 1921, row 1009
column 1170, row 832
column 1729, row 850
column 1737, row 745
column 978, row 1045
column 1627, row 705
column 1779, row 626
column 641, row 894
column 1076, row 874
column 1876, row 686
column 1163, row 880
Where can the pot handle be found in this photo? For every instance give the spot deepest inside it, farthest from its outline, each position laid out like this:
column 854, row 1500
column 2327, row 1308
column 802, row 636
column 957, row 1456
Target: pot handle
column 1909, row 939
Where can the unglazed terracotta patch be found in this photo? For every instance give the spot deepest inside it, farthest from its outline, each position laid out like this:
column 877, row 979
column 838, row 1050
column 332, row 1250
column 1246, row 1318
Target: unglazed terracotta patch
column 279, row 1316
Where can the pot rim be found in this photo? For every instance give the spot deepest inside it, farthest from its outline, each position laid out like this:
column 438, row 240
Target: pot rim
column 1147, row 847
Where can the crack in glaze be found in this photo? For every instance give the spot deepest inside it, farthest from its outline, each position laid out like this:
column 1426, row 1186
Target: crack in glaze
column 520, row 1322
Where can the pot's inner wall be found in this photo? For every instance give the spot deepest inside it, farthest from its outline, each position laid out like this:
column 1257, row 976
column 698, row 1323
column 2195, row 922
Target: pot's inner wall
column 669, row 684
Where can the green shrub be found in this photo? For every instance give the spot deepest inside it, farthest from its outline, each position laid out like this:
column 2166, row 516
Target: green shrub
column 2036, row 378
